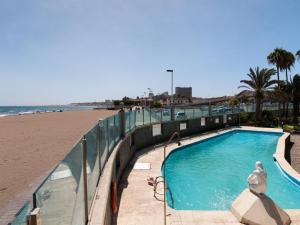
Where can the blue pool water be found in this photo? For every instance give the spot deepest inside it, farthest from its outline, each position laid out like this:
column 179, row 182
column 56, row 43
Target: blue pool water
column 210, row 174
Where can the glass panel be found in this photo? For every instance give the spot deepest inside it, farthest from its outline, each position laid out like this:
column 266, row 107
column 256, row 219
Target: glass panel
column 247, row 107
column 117, row 128
column 61, row 197
column 189, row 113
column 216, row 110
column 156, row 115
column 204, row 110
column 146, row 116
column 180, row 114
column 236, row 109
column 166, row 114
column 111, row 127
column 127, row 122
column 21, row 217
column 103, row 142
column 132, row 119
column 139, row 117
column 228, row 109
column 92, row 163
column 197, row 113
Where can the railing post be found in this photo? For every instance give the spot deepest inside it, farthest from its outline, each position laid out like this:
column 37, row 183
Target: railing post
column 122, row 123
column 130, row 119
column 143, row 116
column 34, row 217
column 107, row 136
column 239, row 111
column 150, row 114
column 98, row 135
column 114, row 132
column 134, row 118
column 84, row 156
column 172, row 112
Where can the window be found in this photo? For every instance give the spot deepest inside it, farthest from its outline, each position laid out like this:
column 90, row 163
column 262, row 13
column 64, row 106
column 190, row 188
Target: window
column 182, row 126
column 202, row 121
column 225, row 119
column 156, row 129
column 229, row 117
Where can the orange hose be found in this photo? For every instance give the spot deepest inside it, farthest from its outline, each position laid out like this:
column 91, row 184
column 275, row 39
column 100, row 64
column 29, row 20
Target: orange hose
column 114, row 198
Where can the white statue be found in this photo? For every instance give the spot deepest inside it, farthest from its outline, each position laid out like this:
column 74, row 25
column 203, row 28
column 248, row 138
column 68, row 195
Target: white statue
column 257, row 180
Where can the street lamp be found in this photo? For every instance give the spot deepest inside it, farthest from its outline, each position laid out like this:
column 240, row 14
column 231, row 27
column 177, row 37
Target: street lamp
column 171, row 71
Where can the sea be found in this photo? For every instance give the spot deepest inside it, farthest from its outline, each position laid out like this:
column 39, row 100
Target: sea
column 24, row 110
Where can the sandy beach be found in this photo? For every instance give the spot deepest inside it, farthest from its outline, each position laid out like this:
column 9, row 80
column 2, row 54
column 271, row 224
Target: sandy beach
column 31, row 145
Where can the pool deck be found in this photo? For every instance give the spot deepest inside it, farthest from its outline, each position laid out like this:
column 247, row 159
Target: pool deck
column 137, row 204
column 295, row 152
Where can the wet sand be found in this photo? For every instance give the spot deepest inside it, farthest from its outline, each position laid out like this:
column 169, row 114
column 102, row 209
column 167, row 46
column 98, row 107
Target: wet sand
column 31, row 145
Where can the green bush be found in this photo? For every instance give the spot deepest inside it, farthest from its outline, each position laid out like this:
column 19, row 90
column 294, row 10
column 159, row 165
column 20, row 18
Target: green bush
column 288, row 128
column 247, row 118
column 267, row 115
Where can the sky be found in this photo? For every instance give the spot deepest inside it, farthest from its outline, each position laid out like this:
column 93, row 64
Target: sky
column 63, row 51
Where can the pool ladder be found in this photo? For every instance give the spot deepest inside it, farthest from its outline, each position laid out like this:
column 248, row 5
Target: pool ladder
column 156, row 182
column 174, row 135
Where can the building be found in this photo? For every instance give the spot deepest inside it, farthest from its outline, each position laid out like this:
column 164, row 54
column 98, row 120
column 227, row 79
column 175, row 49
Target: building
column 151, row 95
column 184, row 92
column 176, row 101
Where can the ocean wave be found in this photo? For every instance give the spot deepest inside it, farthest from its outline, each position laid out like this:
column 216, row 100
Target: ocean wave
column 26, row 113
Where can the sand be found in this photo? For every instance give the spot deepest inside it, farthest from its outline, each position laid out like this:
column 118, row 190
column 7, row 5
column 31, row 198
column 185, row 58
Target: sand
column 31, row 145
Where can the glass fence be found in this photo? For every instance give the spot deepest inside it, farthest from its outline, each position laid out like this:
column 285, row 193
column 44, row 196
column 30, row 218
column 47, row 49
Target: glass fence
column 61, row 197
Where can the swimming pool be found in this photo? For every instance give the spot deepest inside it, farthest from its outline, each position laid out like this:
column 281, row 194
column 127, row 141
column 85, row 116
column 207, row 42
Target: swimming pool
column 210, row 174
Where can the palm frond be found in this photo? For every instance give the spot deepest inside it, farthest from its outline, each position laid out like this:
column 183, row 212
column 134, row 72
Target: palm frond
column 244, row 86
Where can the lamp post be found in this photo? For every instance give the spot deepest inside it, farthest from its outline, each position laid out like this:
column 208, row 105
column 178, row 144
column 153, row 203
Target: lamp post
column 171, row 71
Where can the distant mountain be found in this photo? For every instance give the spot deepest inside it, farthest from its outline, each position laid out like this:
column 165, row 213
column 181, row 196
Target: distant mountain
column 213, row 100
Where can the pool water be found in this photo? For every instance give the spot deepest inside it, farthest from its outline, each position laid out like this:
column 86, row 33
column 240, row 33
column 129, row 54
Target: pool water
column 210, row 174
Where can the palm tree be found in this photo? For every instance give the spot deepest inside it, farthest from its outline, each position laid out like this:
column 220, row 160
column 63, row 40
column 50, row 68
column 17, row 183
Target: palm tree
column 260, row 82
column 298, row 55
column 288, row 62
column 277, row 58
column 296, row 97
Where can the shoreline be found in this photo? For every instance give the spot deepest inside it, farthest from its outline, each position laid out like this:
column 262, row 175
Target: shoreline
column 29, row 110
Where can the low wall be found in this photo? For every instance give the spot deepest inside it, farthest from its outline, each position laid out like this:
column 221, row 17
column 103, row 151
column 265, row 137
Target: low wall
column 139, row 138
